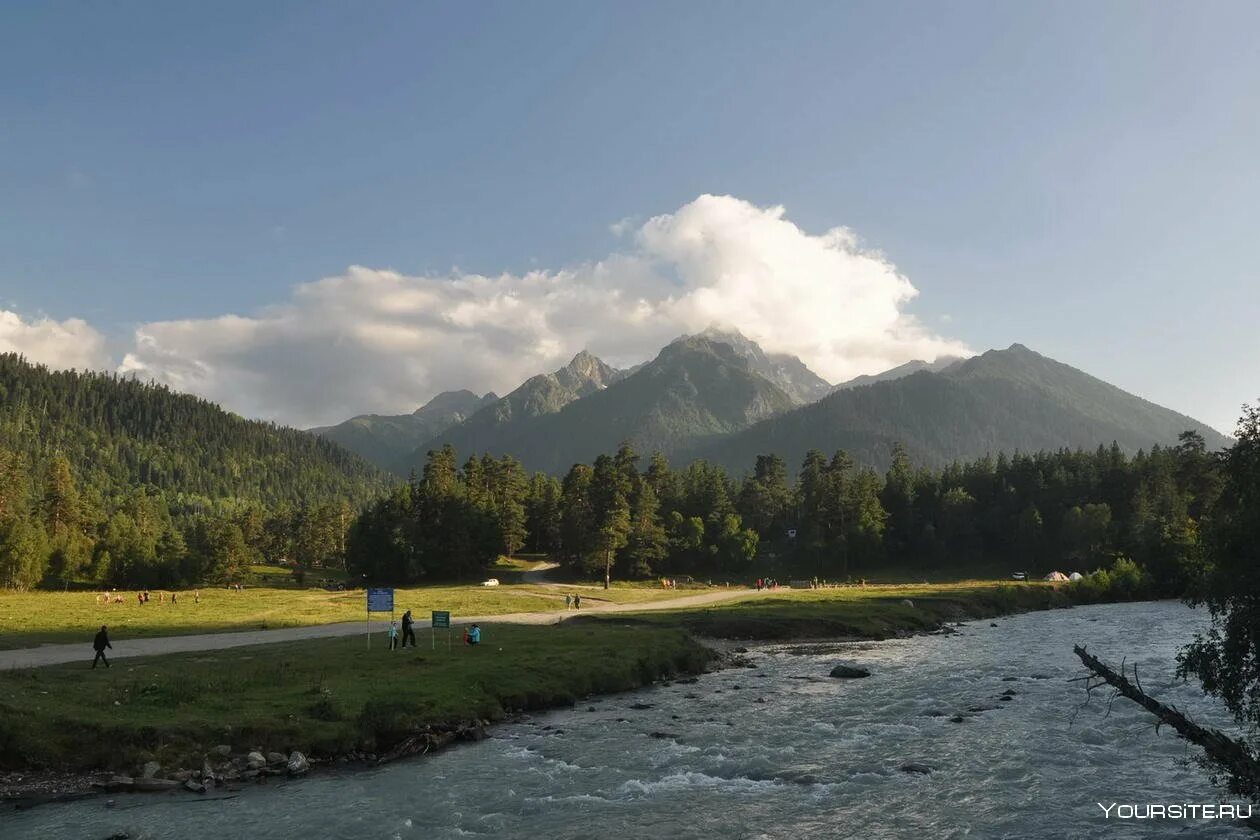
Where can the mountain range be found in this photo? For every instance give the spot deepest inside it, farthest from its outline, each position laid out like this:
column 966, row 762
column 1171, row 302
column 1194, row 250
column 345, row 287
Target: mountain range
column 383, row 439
column 717, row 395
column 1000, row 401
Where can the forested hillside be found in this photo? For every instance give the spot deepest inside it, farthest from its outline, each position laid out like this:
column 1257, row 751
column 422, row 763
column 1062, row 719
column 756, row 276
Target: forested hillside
column 117, row 481
column 120, row 433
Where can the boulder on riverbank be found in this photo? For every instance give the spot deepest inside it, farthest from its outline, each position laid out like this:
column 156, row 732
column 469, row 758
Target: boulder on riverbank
column 297, row 764
column 849, row 672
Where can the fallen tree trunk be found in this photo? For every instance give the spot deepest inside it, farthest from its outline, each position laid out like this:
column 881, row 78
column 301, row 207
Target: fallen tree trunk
column 1226, row 755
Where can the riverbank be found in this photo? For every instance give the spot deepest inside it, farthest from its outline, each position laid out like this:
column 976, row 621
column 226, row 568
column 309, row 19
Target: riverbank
column 325, row 698
column 334, row 702
column 865, row 613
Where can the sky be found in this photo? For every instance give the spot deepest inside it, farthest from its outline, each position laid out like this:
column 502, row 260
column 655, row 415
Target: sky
column 310, row 210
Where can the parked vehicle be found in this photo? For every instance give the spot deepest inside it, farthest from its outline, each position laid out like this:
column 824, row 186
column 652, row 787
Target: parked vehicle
column 1019, row 575
column 490, row 582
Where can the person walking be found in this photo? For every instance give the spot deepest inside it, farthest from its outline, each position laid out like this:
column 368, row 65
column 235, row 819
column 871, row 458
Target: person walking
column 568, row 601
column 393, row 635
column 99, row 644
column 577, row 602
column 408, row 632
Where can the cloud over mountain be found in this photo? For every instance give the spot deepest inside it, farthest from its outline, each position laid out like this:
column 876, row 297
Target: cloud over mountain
column 379, row 340
column 71, row 343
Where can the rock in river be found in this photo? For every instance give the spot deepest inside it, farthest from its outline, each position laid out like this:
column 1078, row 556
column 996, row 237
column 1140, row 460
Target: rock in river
column 849, row 672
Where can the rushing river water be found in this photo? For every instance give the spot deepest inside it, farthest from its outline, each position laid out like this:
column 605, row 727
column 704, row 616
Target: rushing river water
column 780, row 750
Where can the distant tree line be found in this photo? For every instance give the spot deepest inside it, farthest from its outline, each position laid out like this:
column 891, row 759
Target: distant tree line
column 617, row 518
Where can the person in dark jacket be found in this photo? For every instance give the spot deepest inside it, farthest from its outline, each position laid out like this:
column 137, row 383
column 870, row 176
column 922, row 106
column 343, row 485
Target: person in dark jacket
column 99, row 644
column 407, row 631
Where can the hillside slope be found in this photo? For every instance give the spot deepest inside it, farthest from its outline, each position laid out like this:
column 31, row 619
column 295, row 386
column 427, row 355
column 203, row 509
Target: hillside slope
column 121, row 433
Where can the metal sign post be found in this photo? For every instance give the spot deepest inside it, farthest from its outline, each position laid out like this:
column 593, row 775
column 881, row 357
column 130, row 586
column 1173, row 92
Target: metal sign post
column 440, row 618
column 379, row 599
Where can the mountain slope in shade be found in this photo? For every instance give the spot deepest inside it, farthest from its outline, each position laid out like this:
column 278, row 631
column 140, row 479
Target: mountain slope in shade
column 383, row 439
column 899, row 371
column 538, row 396
column 695, row 390
column 788, row 372
column 1000, row 401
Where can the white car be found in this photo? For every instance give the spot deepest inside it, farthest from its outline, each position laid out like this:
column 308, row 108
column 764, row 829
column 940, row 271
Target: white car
column 490, row 582
column 1019, row 575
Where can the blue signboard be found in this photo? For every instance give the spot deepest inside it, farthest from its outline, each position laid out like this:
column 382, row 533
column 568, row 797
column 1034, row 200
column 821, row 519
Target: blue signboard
column 380, row 600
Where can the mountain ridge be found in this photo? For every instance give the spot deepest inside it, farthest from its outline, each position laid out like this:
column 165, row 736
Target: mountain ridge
column 999, row 401
column 696, row 388
column 383, row 438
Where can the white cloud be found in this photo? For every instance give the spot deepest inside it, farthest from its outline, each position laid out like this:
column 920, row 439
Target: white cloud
column 71, row 343
column 374, row 340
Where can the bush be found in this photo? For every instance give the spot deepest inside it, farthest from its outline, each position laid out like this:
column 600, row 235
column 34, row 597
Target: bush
column 1125, row 581
column 1129, row 581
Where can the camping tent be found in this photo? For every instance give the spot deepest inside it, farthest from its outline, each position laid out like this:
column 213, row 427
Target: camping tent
column 1056, row 576
column 1076, row 576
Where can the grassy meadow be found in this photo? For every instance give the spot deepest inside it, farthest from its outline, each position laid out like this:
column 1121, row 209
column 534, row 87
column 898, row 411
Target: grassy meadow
column 33, row 618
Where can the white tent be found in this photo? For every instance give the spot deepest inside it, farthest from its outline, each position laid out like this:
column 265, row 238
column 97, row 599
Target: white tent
column 1076, row 576
column 1056, row 576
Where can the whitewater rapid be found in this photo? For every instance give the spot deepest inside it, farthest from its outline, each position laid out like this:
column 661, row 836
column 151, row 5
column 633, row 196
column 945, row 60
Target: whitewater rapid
column 776, row 750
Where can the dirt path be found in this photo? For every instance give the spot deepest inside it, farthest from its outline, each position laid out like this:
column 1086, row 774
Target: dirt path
column 538, row 574
column 127, row 648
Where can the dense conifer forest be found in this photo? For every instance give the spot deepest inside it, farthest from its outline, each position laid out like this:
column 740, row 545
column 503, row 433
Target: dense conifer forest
column 114, row 480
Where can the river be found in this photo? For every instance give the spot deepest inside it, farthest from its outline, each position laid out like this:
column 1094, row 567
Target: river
column 780, row 750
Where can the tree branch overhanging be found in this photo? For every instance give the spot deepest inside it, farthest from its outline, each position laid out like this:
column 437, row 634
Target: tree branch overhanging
column 1232, row 757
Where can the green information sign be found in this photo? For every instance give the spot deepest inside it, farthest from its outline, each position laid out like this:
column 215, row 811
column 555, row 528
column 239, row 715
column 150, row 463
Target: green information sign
column 441, row 620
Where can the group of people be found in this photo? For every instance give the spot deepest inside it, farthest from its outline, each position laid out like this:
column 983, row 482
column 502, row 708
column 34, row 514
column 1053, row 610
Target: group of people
column 142, row 597
column 573, row 602
column 398, row 639
column 767, row 583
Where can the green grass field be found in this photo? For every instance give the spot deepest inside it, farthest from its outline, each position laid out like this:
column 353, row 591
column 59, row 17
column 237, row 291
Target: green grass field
column 33, row 618
column 875, row 611
column 322, row 696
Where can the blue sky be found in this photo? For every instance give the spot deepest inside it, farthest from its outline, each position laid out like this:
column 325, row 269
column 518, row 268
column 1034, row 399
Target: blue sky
column 1081, row 178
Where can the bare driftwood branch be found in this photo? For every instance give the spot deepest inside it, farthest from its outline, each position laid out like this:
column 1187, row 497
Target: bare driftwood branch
column 1233, row 757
